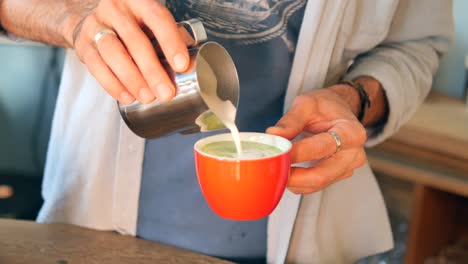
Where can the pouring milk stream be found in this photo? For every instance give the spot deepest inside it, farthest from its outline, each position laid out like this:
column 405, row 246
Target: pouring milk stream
column 224, row 110
column 226, row 113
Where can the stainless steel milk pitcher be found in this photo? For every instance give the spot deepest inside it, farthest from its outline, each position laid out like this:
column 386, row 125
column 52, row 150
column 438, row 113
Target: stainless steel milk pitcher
column 187, row 112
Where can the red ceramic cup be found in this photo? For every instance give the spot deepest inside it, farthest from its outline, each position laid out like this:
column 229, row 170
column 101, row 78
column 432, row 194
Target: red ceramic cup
column 243, row 189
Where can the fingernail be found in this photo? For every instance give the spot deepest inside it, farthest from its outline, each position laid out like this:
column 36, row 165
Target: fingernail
column 164, row 92
column 180, row 62
column 281, row 126
column 126, row 98
column 146, row 96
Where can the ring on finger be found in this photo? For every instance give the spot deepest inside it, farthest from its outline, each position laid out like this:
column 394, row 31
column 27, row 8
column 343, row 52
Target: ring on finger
column 101, row 34
column 337, row 139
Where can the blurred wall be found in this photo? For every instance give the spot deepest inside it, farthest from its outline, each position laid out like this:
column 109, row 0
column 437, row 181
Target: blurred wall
column 28, row 88
column 450, row 78
column 29, row 84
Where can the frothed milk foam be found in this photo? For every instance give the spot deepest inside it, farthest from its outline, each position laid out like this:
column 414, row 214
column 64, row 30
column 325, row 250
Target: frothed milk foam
column 251, row 149
column 224, row 110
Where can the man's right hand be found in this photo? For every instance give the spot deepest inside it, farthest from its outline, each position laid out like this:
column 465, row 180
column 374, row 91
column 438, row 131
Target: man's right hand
column 126, row 64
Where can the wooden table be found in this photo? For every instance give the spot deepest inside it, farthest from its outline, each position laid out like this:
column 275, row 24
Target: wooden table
column 431, row 151
column 29, row 242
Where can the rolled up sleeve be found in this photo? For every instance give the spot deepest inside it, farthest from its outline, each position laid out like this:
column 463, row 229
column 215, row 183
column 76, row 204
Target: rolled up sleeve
column 406, row 61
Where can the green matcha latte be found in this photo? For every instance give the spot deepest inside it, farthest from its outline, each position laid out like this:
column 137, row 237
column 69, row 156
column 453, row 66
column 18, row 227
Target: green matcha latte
column 250, row 149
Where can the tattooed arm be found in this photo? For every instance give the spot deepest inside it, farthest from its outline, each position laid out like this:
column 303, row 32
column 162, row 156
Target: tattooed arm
column 125, row 64
column 50, row 22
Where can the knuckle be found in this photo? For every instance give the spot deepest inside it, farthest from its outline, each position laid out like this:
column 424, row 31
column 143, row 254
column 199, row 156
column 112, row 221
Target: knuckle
column 128, row 31
column 360, row 163
column 305, row 106
column 324, row 150
column 300, row 99
column 287, row 115
column 348, row 175
column 119, row 48
column 111, row 90
column 158, row 10
column 130, row 82
column 319, row 182
column 153, row 74
column 86, row 54
column 360, row 134
column 361, row 159
column 92, row 18
column 293, row 190
column 344, row 158
column 284, row 121
column 301, row 190
column 308, row 191
column 111, row 87
column 82, row 32
column 106, row 4
column 126, row 78
column 297, row 148
column 328, row 146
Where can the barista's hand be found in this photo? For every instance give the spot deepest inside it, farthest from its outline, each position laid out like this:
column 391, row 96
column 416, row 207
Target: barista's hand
column 321, row 111
column 126, row 64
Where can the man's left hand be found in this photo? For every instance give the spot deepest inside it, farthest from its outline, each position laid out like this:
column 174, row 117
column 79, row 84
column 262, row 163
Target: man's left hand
column 319, row 112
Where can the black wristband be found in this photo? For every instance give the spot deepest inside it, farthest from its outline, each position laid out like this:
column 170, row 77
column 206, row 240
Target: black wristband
column 364, row 97
column 3, row 31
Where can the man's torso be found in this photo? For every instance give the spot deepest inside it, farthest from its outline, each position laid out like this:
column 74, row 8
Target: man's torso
column 261, row 37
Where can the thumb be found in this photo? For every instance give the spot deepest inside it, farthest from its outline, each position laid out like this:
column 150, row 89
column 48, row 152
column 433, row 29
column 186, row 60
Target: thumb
column 291, row 124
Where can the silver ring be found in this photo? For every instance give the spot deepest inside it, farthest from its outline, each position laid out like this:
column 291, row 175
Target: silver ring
column 101, row 34
column 337, row 141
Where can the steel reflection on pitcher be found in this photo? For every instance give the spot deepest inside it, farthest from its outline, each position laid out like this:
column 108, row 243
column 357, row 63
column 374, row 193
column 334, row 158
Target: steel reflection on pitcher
column 187, row 112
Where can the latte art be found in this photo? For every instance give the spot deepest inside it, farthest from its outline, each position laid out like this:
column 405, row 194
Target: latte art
column 224, row 110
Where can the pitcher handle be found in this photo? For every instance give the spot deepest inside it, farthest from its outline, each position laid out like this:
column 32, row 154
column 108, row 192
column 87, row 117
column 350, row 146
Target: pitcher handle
column 193, row 32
